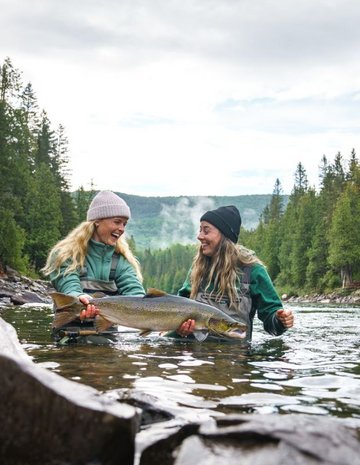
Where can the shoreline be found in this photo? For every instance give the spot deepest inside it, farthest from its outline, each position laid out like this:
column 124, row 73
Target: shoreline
column 352, row 298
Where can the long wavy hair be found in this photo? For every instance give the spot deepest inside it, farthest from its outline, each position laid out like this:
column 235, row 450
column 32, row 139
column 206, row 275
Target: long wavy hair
column 74, row 248
column 221, row 272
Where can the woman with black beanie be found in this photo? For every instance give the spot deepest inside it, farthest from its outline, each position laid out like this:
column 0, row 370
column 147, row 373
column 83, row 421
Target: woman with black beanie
column 229, row 276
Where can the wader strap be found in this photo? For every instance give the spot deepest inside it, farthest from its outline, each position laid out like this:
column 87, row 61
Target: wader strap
column 246, row 275
column 114, row 263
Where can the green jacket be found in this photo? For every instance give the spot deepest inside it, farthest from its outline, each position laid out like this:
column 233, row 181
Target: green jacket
column 265, row 301
column 98, row 265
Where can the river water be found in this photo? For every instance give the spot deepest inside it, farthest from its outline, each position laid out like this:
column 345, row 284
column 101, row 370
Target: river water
column 313, row 368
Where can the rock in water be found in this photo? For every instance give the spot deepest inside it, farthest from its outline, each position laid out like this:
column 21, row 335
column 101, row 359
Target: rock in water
column 293, row 439
column 47, row 419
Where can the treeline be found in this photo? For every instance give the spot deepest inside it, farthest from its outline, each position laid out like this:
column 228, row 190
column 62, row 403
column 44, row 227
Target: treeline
column 166, row 269
column 311, row 244
column 314, row 244
column 36, row 206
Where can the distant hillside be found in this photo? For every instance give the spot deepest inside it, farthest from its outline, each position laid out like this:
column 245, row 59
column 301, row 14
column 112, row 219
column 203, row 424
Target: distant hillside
column 159, row 221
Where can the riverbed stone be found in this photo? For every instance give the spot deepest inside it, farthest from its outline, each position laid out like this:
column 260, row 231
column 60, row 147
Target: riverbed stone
column 295, row 439
column 152, row 409
column 47, row 419
column 27, row 297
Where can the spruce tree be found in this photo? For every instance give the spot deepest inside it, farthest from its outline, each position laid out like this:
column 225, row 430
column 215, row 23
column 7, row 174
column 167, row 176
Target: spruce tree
column 344, row 250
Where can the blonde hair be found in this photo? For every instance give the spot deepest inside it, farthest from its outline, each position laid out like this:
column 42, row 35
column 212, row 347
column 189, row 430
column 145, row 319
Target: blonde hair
column 74, row 248
column 222, row 270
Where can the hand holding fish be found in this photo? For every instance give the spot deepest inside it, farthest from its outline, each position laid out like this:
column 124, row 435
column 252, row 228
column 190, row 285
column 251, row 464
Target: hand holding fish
column 286, row 317
column 186, row 328
column 91, row 310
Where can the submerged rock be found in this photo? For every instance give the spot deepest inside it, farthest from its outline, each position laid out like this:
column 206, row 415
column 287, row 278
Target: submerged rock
column 259, row 439
column 47, row 419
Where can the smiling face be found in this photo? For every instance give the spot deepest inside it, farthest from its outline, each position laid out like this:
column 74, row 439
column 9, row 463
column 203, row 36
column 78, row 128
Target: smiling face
column 108, row 230
column 209, row 237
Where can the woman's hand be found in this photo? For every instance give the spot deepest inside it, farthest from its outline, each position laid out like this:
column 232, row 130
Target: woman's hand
column 286, row 317
column 186, row 328
column 91, row 311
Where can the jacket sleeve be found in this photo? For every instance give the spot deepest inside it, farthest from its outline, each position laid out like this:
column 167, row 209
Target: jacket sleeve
column 265, row 300
column 67, row 283
column 185, row 289
column 127, row 280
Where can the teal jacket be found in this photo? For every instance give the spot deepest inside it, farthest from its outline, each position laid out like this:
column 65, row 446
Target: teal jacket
column 98, row 265
column 264, row 298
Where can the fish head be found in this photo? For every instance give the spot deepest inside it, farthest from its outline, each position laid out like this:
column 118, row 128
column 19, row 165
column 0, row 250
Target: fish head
column 227, row 329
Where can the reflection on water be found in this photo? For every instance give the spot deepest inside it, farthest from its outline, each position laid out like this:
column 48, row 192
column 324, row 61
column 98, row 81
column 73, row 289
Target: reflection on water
column 313, row 368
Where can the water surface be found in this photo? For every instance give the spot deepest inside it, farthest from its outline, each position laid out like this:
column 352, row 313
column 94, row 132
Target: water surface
column 313, row 368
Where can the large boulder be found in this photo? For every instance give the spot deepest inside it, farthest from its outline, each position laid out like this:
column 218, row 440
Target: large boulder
column 47, row 419
column 293, row 439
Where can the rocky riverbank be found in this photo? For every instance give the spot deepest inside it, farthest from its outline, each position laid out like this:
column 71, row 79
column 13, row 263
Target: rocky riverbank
column 16, row 289
column 352, row 298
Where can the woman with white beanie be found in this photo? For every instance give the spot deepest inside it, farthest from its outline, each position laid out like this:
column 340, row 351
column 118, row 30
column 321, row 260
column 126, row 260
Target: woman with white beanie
column 95, row 257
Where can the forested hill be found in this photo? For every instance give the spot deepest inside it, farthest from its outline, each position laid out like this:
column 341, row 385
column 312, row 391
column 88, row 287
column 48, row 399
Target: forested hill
column 160, row 221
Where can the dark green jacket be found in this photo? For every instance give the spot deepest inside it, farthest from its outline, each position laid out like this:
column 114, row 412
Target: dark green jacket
column 264, row 298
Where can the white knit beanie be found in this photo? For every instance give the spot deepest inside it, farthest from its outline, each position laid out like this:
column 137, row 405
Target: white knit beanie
column 106, row 204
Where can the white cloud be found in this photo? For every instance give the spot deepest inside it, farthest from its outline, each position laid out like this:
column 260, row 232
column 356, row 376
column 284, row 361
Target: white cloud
column 192, row 98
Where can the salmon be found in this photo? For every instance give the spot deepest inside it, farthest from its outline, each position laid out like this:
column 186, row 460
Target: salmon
column 156, row 311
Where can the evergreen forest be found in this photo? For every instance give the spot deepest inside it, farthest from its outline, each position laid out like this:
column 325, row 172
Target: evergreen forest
column 308, row 240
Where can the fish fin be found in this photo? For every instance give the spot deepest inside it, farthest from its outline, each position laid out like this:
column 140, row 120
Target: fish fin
column 152, row 292
column 63, row 300
column 236, row 334
column 145, row 332
column 62, row 318
column 200, row 336
column 102, row 324
column 98, row 295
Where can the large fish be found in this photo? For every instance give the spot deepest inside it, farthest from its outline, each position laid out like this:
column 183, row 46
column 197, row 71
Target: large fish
column 156, row 311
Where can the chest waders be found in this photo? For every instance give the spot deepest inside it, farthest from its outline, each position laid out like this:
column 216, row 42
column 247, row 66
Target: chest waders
column 83, row 331
column 241, row 309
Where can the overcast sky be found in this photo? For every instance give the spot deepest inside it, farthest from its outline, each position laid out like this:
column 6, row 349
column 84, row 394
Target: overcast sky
column 192, row 97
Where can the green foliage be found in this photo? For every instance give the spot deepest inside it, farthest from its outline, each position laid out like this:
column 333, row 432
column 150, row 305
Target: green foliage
column 344, row 250
column 166, row 269
column 37, row 205
column 268, row 235
column 82, row 200
column 45, row 215
column 12, row 241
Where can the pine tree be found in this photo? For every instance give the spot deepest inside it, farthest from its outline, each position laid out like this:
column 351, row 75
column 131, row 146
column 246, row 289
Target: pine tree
column 344, row 250
column 12, row 241
column 295, row 239
column 269, row 234
column 44, row 217
column 319, row 274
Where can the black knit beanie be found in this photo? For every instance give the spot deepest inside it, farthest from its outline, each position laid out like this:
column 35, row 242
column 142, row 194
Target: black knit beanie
column 226, row 219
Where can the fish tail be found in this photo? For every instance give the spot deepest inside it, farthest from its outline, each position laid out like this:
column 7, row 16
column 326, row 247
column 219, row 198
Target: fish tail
column 63, row 300
column 102, row 324
column 62, row 318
